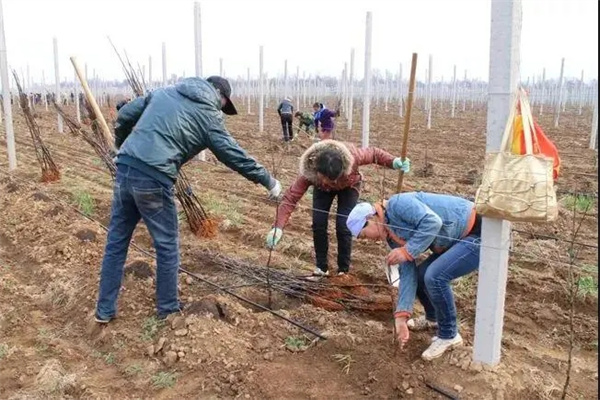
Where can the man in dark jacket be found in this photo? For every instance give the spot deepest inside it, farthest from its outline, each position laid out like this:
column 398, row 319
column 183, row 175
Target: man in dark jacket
column 286, row 112
column 156, row 135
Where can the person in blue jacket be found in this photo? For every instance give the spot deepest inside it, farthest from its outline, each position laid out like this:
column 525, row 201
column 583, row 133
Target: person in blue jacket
column 155, row 135
column 324, row 117
column 412, row 223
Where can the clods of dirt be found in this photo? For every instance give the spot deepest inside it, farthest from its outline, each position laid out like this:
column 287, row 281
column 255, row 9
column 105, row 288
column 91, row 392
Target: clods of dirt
column 472, row 177
column 208, row 305
column 139, row 269
column 425, row 172
column 54, row 211
column 86, row 235
column 12, row 187
column 39, row 196
column 53, row 378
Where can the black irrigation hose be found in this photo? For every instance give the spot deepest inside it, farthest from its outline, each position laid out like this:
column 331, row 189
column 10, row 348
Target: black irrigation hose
column 275, row 313
column 213, row 285
column 441, row 390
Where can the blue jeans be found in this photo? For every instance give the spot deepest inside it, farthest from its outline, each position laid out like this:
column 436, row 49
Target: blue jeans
column 139, row 196
column 430, row 283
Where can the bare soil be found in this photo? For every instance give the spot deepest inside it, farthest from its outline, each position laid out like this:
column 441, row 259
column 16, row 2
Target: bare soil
column 50, row 258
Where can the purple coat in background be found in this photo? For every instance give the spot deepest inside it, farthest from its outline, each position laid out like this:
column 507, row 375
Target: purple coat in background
column 324, row 117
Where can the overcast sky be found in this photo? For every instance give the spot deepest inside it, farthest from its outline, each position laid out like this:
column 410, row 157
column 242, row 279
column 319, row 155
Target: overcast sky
column 315, row 35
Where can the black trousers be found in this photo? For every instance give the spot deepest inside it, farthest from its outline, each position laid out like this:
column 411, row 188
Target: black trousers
column 286, row 125
column 322, row 202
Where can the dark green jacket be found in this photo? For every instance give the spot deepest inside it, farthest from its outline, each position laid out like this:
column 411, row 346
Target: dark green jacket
column 160, row 132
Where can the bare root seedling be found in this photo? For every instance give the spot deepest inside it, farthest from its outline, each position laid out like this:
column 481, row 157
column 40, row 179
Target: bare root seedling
column 50, row 172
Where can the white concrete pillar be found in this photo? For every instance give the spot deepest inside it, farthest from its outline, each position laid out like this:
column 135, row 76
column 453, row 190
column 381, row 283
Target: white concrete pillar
column 351, row 90
column 559, row 94
column 164, row 64
column 505, row 43
column 57, row 82
column 367, row 82
column 261, row 94
column 6, row 98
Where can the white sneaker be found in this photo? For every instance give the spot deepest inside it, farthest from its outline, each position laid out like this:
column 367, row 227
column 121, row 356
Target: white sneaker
column 420, row 324
column 438, row 347
column 341, row 273
column 434, row 338
column 320, row 272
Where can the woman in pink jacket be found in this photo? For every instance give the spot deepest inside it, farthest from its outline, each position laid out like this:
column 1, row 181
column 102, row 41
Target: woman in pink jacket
column 331, row 167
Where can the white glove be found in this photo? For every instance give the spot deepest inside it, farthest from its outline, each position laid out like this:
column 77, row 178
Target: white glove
column 275, row 191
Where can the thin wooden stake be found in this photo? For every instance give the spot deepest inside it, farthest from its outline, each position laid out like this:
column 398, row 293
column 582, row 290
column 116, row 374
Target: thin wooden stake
column 90, row 98
column 409, row 106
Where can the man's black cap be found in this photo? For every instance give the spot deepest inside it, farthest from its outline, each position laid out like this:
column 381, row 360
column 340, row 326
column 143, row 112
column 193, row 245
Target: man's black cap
column 223, row 86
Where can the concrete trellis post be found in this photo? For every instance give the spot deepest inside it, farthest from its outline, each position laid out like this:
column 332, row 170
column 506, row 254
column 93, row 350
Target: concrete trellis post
column 197, row 55
column 198, row 39
column 77, row 106
column 594, row 134
column 543, row 91
column 559, row 94
column 453, row 93
column 44, row 89
column 220, row 66
column 164, row 64
column 304, row 89
column 343, row 88
column 429, row 78
column 400, row 93
column 57, row 82
column 95, row 86
column 267, row 90
column 386, row 91
column 248, row 92
column 297, row 88
column 6, row 98
column 581, row 96
column 261, row 94
column 150, row 73
column 464, row 103
column 285, row 79
column 495, row 239
column 367, row 82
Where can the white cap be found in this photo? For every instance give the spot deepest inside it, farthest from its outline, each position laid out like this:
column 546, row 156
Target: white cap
column 358, row 217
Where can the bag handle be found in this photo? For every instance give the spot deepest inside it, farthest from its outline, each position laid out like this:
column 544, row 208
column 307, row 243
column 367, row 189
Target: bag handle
column 508, row 129
column 528, row 127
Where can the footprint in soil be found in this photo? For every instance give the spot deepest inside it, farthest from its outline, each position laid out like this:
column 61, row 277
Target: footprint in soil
column 139, row 269
column 86, row 235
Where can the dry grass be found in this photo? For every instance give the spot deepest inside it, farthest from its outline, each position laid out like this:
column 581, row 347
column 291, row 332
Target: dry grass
column 53, row 379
